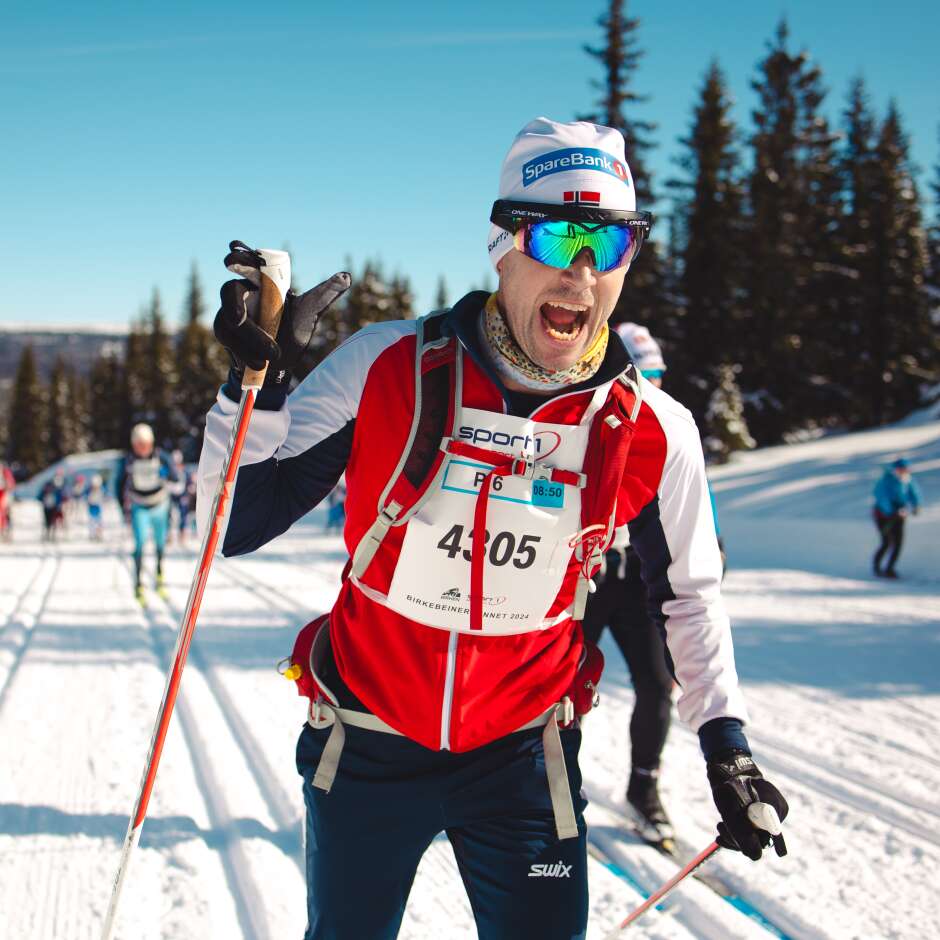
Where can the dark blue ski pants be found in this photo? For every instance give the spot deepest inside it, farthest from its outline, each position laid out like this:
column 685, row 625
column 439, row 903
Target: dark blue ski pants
column 391, row 797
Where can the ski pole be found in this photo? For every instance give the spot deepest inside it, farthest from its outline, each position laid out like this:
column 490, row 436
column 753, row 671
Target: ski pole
column 657, row 896
column 762, row 816
column 275, row 281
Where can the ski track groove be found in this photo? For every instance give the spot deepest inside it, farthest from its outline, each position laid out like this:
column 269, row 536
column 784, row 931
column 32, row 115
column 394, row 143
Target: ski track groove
column 20, row 616
column 245, row 894
column 855, row 778
column 832, row 706
column 842, row 793
column 267, row 593
column 40, row 561
column 273, row 794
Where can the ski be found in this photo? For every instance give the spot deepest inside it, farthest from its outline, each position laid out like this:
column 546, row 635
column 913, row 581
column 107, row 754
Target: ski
column 680, row 853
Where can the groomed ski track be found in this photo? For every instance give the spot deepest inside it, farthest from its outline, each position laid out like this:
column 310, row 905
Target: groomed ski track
column 841, row 674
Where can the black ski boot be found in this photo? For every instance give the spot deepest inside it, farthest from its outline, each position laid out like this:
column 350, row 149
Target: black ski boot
column 646, row 808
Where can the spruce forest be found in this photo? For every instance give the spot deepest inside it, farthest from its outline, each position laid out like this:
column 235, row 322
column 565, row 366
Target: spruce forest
column 792, row 278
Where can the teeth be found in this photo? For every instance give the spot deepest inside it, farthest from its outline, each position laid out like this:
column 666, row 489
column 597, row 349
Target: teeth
column 566, row 337
column 577, row 308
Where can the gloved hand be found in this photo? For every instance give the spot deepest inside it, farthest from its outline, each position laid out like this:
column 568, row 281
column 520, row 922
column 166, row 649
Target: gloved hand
column 751, row 807
column 236, row 323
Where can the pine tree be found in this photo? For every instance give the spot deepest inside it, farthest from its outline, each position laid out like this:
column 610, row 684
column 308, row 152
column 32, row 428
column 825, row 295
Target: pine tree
column 370, row 299
column 60, row 431
column 134, row 402
column 934, row 245
column 646, row 294
column 789, row 189
column 725, row 425
column 440, row 299
column 201, row 365
column 620, row 58
column 403, row 301
column 904, row 343
column 106, row 383
column 821, row 397
column 80, row 399
column 708, row 242
column 26, row 438
column 859, row 172
column 159, row 376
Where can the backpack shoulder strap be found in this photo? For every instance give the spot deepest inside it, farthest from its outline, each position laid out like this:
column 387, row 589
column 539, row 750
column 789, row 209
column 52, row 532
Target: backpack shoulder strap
column 609, row 440
column 438, row 380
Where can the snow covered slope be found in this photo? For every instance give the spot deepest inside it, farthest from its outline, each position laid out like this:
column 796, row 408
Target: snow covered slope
column 842, row 674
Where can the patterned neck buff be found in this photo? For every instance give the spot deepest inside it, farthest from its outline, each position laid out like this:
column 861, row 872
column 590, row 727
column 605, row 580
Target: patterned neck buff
column 512, row 363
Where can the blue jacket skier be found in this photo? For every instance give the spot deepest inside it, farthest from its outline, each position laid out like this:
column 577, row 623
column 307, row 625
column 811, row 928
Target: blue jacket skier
column 895, row 493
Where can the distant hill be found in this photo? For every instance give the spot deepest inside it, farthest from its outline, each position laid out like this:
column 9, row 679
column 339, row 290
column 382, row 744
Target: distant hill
column 79, row 345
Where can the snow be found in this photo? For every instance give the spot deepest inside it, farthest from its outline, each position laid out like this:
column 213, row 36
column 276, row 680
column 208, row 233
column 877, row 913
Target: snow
column 841, row 671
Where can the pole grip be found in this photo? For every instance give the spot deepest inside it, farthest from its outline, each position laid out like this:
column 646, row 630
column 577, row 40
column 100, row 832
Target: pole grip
column 275, row 282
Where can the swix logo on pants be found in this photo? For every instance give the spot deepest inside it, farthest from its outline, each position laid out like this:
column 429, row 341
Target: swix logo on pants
column 558, row 870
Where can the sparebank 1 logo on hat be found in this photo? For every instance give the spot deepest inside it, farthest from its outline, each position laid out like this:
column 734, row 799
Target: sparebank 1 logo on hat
column 572, row 158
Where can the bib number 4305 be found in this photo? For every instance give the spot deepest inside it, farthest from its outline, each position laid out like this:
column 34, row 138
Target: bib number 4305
column 502, row 549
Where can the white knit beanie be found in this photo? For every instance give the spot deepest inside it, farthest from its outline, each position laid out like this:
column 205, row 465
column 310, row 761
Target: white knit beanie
column 563, row 164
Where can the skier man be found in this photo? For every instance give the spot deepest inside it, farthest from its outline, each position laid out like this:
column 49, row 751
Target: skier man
column 145, row 476
column 484, row 453
column 894, row 493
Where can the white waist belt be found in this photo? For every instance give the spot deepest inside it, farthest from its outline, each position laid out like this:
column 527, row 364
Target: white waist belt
column 323, row 714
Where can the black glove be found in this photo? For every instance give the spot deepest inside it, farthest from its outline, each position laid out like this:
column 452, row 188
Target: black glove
column 747, row 803
column 236, row 323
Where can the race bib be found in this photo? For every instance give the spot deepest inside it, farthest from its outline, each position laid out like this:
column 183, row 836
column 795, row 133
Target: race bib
column 145, row 475
column 529, row 527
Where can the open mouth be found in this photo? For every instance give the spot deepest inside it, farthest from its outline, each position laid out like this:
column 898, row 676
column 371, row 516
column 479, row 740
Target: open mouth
column 563, row 321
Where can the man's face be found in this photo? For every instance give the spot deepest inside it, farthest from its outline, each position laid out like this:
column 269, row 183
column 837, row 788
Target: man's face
column 142, row 447
column 556, row 313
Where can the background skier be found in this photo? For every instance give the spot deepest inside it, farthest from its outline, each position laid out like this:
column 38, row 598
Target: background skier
column 620, row 603
column 895, row 493
column 144, row 478
column 94, row 500
column 52, row 497
column 7, row 486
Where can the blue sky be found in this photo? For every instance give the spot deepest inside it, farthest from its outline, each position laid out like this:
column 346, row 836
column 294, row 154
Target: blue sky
column 137, row 139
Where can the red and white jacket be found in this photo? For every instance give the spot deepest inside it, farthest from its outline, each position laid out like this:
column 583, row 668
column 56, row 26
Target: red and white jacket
column 453, row 688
